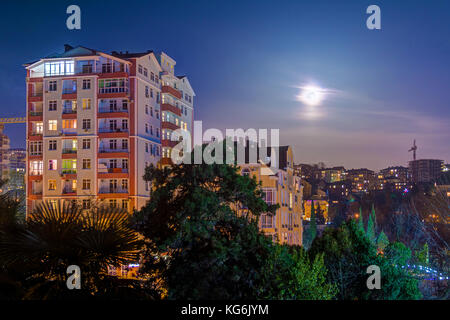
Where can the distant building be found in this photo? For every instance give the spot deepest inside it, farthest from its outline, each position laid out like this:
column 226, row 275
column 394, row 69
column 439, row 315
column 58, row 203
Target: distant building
column 4, row 157
column 17, row 168
column 396, row 177
column 363, row 180
column 330, row 175
column 425, row 170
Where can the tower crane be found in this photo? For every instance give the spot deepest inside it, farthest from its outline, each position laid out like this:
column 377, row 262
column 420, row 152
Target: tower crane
column 413, row 149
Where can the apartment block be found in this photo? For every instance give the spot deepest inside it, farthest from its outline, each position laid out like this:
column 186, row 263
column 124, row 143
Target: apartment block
column 95, row 120
column 280, row 186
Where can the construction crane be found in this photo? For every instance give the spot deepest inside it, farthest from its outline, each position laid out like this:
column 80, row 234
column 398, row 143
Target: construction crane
column 413, row 149
column 3, row 121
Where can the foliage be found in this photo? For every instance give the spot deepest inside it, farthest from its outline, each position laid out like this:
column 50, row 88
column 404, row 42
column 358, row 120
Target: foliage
column 348, row 252
column 382, row 242
column 56, row 236
column 361, row 220
column 371, row 227
column 293, row 275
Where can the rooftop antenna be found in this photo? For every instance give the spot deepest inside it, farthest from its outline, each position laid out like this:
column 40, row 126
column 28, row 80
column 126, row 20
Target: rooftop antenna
column 413, row 149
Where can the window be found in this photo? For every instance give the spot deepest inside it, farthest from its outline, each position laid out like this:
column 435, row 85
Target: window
column 151, row 93
column 69, row 166
column 113, row 85
column 140, row 69
column 69, row 124
column 146, row 127
column 125, row 104
column 58, row 68
column 86, row 144
column 39, row 128
column 86, row 124
column 146, row 92
column 113, row 144
column 35, row 148
column 269, row 195
column 151, row 130
column 146, row 109
column 152, row 76
column 36, row 167
column 52, row 86
column 52, row 145
column 125, row 204
column 86, row 184
column 145, row 72
column 52, row 164
column 124, row 144
column 86, row 84
column 86, row 104
column 52, row 125
column 146, row 147
column 151, row 111
column 157, row 132
column 124, row 163
column 86, row 163
column 106, row 68
column 125, row 124
column 51, row 184
column 52, row 105
column 86, row 204
column 112, row 163
column 266, row 221
column 113, row 203
column 124, row 184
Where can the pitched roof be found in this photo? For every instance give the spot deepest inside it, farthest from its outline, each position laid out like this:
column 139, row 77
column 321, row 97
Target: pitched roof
column 127, row 55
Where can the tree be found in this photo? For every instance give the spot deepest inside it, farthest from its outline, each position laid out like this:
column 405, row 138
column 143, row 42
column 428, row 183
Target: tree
column 348, row 252
column 295, row 276
column 203, row 240
column 361, row 220
column 38, row 251
column 201, row 232
column 371, row 226
column 312, row 224
column 423, row 255
column 382, row 242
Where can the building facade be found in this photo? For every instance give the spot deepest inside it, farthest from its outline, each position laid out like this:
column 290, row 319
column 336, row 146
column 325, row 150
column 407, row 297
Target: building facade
column 95, row 120
column 425, row 170
column 280, row 186
column 396, row 178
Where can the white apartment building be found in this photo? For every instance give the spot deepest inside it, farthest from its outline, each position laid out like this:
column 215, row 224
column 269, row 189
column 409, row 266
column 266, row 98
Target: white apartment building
column 95, row 120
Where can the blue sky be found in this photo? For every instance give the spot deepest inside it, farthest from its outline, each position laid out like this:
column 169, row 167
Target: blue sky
column 246, row 60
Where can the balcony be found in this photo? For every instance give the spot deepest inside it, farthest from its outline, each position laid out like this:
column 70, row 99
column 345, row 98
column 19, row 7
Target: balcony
column 172, row 91
column 69, row 171
column 69, row 191
column 109, row 190
column 169, row 125
column 35, row 172
column 35, row 96
column 171, row 108
column 69, row 110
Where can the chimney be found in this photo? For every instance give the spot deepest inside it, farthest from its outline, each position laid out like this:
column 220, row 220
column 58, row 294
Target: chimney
column 67, row 47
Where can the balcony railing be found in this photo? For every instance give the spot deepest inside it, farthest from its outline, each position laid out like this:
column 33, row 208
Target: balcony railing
column 36, row 94
column 35, row 172
column 69, row 150
column 112, row 190
column 109, row 109
column 109, row 150
column 68, row 171
column 69, row 110
column 36, row 113
column 69, row 91
column 69, row 190
column 111, row 130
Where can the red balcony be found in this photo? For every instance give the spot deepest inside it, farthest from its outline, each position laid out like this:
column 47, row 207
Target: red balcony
column 172, row 91
column 166, row 162
column 171, row 108
column 169, row 143
column 169, row 125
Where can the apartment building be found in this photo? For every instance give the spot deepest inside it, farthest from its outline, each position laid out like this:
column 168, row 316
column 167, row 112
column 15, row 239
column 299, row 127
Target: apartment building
column 425, row 170
column 281, row 186
column 95, row 120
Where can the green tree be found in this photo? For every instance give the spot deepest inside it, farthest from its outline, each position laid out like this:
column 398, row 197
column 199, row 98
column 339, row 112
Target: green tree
column 382, row 241
column 203, row 240
column 423, row 255
column 361, row 220
column 293, row 275
column 371, row 235
column 348, row 252
column 313, row 223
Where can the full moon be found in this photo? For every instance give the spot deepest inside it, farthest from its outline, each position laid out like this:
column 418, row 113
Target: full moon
column 311, row 95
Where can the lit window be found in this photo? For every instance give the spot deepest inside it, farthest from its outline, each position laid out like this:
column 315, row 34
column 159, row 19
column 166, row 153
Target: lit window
column 52, row 125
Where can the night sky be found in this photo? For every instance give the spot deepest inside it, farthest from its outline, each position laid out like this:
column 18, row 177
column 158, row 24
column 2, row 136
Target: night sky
column 247, row 59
